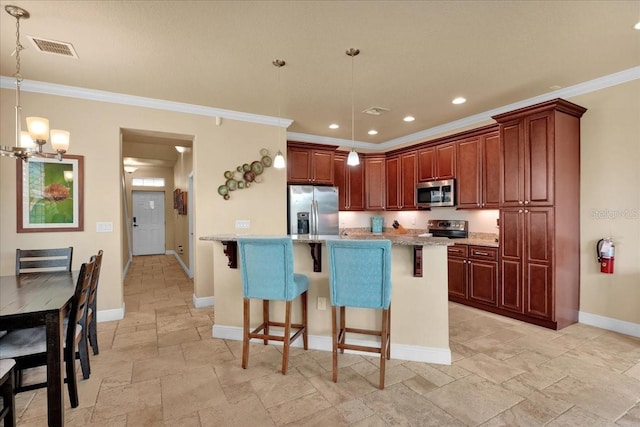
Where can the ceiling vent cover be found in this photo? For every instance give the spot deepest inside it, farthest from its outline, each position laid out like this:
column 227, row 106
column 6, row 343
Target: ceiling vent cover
column 53, row 47
column 375, row 111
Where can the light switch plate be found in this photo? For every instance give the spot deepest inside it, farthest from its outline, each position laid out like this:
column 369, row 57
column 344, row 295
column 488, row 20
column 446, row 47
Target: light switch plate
column 243, row 223
column 322, row 303
column 104, row 227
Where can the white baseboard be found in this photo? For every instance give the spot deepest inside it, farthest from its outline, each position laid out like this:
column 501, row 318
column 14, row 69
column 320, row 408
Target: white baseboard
column 610, row 324
column 110, row 315
column 440, row 356
column 203, row 302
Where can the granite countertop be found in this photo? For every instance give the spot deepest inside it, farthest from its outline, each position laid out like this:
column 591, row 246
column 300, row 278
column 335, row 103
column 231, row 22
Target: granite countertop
column 396, row 239
column 477, row 242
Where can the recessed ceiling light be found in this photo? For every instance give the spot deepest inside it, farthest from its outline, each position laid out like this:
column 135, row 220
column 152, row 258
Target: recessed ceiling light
column 333, row 126
column 459, row 100
column 373, row 132
column 637, row 26
column 409, row 119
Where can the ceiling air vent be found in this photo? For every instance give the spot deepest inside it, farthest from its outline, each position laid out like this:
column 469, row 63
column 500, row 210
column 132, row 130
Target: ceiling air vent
column 375, row 111
column 53, row 47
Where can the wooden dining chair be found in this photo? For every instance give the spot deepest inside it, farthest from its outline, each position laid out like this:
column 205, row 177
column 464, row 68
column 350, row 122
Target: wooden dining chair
column 37, row 260
column 28, row 347
column 8, row 412
column 92, row 314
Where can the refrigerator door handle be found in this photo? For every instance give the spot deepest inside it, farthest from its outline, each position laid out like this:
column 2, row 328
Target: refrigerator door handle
column 314, row 208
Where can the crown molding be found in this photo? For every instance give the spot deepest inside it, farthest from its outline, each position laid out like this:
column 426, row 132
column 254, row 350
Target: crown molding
column 118, row 98
column 568, row 92
column 139, row 101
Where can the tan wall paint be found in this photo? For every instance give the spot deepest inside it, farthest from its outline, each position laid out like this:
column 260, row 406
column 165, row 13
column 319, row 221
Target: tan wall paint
column 610, row 143
column 95, row 133
column 610, row 200
column 181, row 170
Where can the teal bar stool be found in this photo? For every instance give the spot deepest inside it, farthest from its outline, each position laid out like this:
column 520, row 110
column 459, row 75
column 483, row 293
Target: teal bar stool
column 360, row 276
column 266, row 265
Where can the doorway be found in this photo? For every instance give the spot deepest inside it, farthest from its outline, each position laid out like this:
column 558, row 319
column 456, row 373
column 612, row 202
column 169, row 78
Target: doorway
column 148, row 222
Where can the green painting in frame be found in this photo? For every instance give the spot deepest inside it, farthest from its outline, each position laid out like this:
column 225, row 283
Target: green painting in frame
column 50, row 194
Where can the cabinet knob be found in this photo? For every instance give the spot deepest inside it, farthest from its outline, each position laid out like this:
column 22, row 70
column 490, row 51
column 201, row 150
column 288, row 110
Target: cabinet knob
column 526, row 202
column 526, row 211
column 519, row 210
column 519, row 202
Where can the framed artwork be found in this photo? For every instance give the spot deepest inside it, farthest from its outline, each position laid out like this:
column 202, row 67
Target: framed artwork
column 183, row 203
column 176, row 198
column 50, row 194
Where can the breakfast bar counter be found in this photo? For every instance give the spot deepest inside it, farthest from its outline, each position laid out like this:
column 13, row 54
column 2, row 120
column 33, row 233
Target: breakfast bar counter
column 419, row 302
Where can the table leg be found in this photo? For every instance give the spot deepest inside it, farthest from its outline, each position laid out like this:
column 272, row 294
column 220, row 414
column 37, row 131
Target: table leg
column 55, row 366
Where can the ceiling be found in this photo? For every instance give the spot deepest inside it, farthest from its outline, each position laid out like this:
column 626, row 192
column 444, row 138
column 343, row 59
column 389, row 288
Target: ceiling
column 415, row 56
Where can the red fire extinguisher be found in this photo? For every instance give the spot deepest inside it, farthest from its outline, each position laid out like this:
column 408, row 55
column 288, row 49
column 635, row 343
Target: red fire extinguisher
column 606, row 251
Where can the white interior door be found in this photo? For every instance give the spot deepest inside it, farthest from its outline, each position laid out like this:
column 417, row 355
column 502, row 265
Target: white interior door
column 148, row 222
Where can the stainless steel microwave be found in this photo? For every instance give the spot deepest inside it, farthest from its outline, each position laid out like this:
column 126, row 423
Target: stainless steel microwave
column 436, row 193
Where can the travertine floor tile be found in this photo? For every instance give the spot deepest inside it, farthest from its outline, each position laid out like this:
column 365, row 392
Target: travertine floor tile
column 473, row 400
column 160, row 366
column 298, row 409
column 579, row 417
column 489, row 368
column 190, row 391
column 276, row 389
column 398, row 405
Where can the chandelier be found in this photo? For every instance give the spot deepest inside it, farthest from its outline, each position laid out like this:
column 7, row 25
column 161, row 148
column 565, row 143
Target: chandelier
column 29, row 144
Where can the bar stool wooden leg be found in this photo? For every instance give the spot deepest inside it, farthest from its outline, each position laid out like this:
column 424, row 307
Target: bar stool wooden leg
column 343, row 328
column 245, row 333
column 287, row 337
column 305, row 335
column 383, row 345
column 265, row 319
column 334, row 339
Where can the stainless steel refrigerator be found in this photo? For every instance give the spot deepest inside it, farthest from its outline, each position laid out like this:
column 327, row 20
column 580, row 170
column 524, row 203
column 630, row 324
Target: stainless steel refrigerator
column 312, row 210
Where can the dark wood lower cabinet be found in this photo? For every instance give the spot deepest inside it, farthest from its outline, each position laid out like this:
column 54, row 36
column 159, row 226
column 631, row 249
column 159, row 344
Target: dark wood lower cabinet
column 473, row 275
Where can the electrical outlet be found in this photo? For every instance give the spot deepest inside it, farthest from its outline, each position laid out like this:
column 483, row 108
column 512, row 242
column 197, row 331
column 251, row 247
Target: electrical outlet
column 243, row 223
column 322, row 303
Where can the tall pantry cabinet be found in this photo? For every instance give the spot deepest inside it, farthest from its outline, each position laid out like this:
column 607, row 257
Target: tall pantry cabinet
column 539, row 213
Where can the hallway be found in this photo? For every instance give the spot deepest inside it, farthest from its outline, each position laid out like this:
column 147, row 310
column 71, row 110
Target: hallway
column 159, row 366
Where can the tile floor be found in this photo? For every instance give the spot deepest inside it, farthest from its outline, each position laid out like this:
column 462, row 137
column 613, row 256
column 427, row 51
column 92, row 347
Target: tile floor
column 159, row 366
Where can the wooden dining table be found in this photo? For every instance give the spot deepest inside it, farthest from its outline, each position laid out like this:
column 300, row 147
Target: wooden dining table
column 36, row 299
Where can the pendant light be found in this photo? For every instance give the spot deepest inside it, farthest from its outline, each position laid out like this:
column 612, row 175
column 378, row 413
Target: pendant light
column 352, row 159
column 278, row 161
column 29, row 144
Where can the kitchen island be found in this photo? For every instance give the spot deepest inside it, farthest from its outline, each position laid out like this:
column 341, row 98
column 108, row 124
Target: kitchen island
column 419, row 306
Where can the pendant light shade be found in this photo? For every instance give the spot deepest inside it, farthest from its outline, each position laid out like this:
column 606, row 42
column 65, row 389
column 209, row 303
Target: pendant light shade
column 353, row 159
column 278, row 161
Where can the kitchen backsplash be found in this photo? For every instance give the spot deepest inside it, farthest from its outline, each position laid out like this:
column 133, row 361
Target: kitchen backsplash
column 480, row 221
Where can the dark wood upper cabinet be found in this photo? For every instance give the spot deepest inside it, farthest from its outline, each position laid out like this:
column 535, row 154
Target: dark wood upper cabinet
column 478, row 172
column 437, row 162
column 393, row 180
column 401, row 181
column 350, row 183
column 309, row 165
column 374, row 170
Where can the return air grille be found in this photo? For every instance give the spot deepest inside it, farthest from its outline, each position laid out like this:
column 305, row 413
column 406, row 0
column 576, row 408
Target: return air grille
column 53, row 47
